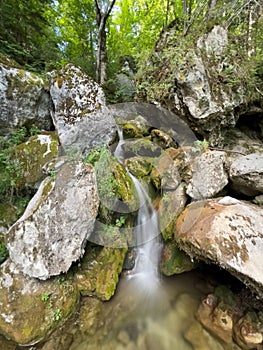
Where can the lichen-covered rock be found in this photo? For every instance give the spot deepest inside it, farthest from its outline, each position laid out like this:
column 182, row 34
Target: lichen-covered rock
column 31, row 308
column 226, row 232
column 81, row 117
column 246, row 174
column 33, row 155
column 24, row 100
column 53, row 230
column 208, row 175
column 99, row 271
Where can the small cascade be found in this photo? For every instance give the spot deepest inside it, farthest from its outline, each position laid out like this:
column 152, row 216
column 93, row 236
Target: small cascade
column 145, row 230
column 118, row 153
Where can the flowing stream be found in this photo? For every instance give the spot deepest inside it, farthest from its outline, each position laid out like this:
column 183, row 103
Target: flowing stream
column 148, row 311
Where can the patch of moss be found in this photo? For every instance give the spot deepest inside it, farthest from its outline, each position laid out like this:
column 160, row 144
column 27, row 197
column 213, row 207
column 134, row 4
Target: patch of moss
column 99, row 271
column 175, row 261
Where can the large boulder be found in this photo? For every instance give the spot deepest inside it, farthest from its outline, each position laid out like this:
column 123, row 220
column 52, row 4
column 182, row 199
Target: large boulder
column 226, row 232
column 208, row 175
column 53, row 231
column 246, row 174
column 81, row 118
column 31, row 308
column 24, row 99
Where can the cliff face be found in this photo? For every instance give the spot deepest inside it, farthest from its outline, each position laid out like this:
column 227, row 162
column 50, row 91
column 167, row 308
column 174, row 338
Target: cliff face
column 209, row 80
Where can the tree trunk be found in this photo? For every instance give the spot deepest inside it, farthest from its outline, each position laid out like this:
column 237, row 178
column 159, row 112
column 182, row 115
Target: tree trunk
column 101, row 56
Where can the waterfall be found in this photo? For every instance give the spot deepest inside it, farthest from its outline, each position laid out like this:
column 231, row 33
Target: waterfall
column 145, row 230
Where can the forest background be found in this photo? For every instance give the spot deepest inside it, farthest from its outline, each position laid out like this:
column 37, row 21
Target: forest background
column 97, row 35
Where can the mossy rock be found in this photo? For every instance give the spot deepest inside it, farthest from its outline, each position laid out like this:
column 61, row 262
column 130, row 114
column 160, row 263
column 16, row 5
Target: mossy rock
column 142, row 147
column 114, row 184
column 33, row 155
column 99, row 271
column 31, row 308
column 132, row 130
column 175, row 261
column 139, row 166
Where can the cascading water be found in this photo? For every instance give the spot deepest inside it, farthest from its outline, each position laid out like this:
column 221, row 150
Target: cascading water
column 146, row 231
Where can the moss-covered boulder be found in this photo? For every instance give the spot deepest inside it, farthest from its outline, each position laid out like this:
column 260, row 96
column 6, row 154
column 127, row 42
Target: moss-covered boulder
column 31, row 308
column 175, row 261
column 8, row 215
column 115, row 187
column 33, row 155
column 99, row 271
column 24, row 99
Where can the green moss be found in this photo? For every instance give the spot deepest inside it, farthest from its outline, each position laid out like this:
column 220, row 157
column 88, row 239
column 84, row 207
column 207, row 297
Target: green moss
column 131, row 131
column 139, row 166
column 33, row 155
column 99, row 271
column 175, row 261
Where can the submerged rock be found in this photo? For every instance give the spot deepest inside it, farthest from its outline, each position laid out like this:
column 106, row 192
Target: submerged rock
column 246, row 174
column 81, row 117
column 31, row 308
column 53, row 231
column 24, row 99
column 229, row 235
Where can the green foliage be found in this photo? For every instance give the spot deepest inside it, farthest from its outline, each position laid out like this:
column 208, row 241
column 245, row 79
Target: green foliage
column 10, row 169
column 3, row 252
column 202, row 145
column 21, row 203
column 107, row 184
column 57, row 315
column 120, row 222
column 45, row 297
column 26, row 34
